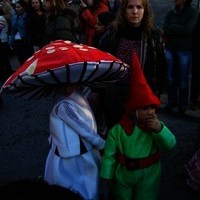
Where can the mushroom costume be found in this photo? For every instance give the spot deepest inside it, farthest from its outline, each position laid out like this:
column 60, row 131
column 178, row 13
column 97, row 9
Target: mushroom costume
column 64, row 62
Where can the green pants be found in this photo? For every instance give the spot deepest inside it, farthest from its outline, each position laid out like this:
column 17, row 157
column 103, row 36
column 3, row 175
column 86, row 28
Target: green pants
column 140, row 184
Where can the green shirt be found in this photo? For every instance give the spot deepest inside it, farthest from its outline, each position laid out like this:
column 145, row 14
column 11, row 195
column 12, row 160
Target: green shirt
column 139, row 144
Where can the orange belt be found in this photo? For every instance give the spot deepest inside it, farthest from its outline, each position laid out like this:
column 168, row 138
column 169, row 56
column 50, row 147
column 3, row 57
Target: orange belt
column 138, row 163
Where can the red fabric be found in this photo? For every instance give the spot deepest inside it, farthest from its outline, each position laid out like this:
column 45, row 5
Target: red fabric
column 138, row 163
column 89, row 19
column 58, row 54
column 127, row 123
column 140, row 95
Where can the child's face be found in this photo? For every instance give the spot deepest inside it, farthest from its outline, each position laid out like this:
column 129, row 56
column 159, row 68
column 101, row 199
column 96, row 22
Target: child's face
column 145, row 113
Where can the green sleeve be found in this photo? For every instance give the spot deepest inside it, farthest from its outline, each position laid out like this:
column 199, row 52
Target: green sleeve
column 165, row 140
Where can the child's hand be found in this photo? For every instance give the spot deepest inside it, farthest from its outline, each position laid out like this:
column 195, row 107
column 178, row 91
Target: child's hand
column 153, row 123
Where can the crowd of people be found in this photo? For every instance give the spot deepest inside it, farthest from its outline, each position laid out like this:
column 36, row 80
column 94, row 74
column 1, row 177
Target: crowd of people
column 161, row 60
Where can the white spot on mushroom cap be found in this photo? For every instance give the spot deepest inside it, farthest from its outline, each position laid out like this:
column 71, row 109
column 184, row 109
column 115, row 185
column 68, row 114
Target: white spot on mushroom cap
column 91, row 47
column 78, row 46
column 84, row 49
column 51, row 51
column 63, row 48
column 67, row 42
column 51, row 47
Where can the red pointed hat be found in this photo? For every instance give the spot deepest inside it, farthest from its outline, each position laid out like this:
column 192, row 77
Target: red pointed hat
column 140, row 94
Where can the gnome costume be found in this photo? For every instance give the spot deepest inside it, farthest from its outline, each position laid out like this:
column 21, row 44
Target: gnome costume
column 132, row 154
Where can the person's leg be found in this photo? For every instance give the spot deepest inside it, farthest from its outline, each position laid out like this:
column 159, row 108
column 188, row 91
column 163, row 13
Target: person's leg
column 148, row 187
column 171, row 79
column 184, row 60
column 19, row 50
column 121, row 191
column 7, row 52
column 137, row 184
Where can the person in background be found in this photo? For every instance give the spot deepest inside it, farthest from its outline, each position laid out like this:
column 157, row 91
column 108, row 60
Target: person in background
column 19, row 38
column 114, row 5
column 90, row 9
column 74, row 5
column 8, row 9
column 5, row 17
column 36, row 23
column 73, row 161
column 177, row 31
column 133, row 31
column 104, row 19
column 59, row 22
column 131, row 160
column 195, row 82
column 5, row 66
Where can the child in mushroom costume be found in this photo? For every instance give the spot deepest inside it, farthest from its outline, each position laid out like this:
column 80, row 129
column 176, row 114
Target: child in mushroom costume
column 73, row 160
column 131, row 160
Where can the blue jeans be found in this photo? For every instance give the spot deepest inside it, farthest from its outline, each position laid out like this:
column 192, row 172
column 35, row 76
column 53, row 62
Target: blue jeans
column 178, row 68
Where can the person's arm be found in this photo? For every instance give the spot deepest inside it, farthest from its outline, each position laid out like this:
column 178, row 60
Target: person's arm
column 71, row 115
column 159, row 60
column 90, row 16
column 165, row 140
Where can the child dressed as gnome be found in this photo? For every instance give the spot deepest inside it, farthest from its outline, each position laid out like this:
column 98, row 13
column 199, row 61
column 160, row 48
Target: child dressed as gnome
column 131, row 161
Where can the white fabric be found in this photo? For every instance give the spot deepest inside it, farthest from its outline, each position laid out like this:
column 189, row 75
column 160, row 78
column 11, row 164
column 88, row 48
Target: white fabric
column 3, row 29
column 71, row 120
column 18, row 36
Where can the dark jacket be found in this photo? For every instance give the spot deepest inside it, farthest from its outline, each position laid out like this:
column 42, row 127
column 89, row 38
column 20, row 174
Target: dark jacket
column 178, row 28
column 153, row 62
column 36, row 27
column 59, row 27
column 18, row 24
